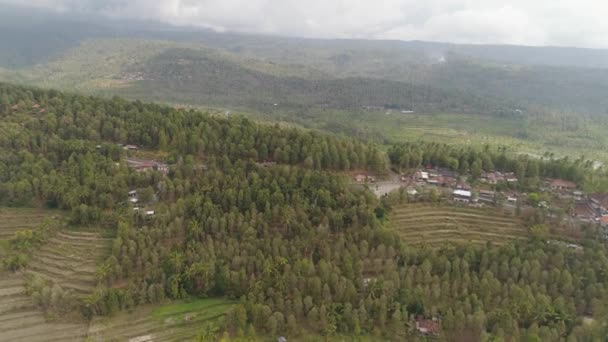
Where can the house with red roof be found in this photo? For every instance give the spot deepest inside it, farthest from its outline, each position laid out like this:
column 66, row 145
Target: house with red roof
column 428, row 326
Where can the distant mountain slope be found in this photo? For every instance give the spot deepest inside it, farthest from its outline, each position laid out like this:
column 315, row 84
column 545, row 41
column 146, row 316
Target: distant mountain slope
column 179, row 72
column 50, row 49
column 191, row 76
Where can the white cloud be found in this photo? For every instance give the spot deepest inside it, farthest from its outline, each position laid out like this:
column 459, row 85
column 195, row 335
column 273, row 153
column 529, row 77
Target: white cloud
column 530, row 22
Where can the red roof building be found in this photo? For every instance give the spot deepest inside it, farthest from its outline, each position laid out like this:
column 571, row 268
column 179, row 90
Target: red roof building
column 428, row 326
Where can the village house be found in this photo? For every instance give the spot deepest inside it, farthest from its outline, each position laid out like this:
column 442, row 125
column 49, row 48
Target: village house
column 560, row 184
column 584, row 210
column 463, row 196
column 143, row 165
column 360, row 178
column 599, row 203
column 604, row 227
column 433, row 181
column 489, row 178
column 421, row 176
column 463, row 186
column 131, row 147
column 428, row 326
column 267, row 163
column 487, row 196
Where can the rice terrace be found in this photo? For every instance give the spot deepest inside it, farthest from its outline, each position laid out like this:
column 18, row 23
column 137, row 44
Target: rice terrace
column 69, row 261
column 432, row 225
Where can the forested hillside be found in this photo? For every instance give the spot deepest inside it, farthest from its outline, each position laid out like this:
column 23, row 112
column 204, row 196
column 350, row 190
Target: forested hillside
column 261, row 214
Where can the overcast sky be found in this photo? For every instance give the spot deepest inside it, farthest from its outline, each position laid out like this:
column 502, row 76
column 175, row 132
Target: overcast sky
column 582, row 23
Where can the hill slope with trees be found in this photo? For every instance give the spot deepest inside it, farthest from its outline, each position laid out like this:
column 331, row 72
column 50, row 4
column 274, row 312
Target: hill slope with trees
column 261, row 214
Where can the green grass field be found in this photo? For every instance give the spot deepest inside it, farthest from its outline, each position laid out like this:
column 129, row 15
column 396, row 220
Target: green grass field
column 434, row 225
column 178, row 321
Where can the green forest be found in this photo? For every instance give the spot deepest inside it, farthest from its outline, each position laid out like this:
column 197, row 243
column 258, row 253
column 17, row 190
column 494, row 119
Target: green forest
column 264, row 215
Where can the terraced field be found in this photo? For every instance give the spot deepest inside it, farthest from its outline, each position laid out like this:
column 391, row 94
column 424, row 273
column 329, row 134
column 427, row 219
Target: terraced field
column 14, row 219
column 70, row 260
column 20, row 320
column 172, row 322
column 432, row 225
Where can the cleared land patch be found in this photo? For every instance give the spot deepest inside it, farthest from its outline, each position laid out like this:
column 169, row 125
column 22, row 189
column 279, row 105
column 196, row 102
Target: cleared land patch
column 70, row 259
column 427, row 224
column 180, row 321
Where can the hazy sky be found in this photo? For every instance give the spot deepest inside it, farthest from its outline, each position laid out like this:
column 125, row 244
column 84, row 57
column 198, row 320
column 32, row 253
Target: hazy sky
column 581, row 23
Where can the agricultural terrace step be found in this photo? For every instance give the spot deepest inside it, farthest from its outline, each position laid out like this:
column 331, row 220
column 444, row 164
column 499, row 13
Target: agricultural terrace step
column 440, row 232
column 46, row 332
column 10, row 304
column 12, row 222
column 453, row 217
column 76, row 236
column 80, row 243
column 128, row 331
column 121, row 320
column 496, row 216
column 81, row 286
column 75, row 252
column 22, row 320
column 20, row 315
column 453, row 220
column 411, row 224
column 47, row 252
column 53, row 260
column 83, row 233
column 11, row 291
column 48, row 269
column 11, row 279
column 484, row 226
column 461, row 223
column 442, row 242
column 457, row 238
column 83, row 266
